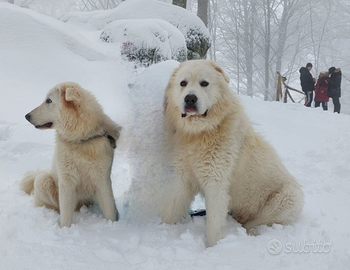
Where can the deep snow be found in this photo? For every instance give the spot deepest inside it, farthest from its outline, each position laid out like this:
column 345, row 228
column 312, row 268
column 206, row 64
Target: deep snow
column 37, row 52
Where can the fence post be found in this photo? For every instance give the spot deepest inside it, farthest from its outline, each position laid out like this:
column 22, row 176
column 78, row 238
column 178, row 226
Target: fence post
column 279, row 87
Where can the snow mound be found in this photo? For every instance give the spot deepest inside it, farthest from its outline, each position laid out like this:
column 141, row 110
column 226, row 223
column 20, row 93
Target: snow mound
column 146, row 41
column 48, row 52
column 196, row 34
column 49, row 31
column 148, row 172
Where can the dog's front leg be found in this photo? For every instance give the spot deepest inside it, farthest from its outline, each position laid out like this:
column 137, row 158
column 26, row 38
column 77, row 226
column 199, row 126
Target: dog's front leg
column 105, row 199
column 176, row 199
column 216, row 203
column 67, row 202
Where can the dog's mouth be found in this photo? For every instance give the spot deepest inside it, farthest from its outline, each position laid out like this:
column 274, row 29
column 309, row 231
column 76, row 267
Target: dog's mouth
column 193, row 112
column 45, row 126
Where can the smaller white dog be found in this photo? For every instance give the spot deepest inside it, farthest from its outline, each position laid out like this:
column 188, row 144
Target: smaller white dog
column 82, row 162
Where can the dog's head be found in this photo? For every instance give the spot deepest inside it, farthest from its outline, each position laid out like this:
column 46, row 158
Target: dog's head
column 197, row 95
column 68, row 108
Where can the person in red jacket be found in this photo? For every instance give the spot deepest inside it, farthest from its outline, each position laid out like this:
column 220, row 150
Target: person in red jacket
column 321, row 91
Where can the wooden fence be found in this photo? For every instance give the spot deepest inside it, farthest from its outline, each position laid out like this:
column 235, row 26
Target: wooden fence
column 279, row 95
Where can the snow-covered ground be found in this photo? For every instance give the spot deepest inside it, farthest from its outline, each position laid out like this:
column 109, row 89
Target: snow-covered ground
column 37, row 52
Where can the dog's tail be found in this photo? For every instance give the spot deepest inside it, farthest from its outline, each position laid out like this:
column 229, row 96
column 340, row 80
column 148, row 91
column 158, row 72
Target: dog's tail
column 42, row 186
column 27, row 183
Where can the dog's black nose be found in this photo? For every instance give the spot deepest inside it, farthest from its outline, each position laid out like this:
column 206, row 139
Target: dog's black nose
column 27, row 116
column 191, row 99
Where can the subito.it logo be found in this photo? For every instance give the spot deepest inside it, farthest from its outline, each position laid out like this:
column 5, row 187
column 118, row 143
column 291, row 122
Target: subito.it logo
column 274, row 247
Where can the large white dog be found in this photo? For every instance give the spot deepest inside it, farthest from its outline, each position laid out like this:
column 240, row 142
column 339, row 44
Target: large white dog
column 217, row 153
column 82, row 162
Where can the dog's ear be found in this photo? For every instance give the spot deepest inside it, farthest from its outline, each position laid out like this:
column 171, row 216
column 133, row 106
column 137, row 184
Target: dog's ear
column 72, row 94
column 173, row 74
column 219, row 69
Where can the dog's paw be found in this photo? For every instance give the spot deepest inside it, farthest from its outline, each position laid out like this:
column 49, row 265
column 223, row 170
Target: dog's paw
column 251, row 231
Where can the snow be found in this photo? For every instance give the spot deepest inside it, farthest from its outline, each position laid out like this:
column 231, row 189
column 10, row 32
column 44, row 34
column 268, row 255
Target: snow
column 37, row 52
column 152, row 35
column 139, row 9
column 191, row 26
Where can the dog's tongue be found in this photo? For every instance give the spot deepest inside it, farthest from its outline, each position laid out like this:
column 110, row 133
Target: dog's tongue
column 191, row 110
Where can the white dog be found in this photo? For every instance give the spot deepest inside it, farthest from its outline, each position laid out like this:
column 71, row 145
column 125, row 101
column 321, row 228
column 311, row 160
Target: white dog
column 217, row 153
column 82, row 162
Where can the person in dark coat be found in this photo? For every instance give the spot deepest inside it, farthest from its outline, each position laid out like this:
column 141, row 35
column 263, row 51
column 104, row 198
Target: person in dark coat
column 307, row 83
column 334, row 89
column 321, row 91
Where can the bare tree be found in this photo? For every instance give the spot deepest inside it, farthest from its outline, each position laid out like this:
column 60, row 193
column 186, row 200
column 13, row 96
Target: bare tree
column 289, row 9
column 249, row 10
column 235, row 41
column 267, row 8
column 252, row 37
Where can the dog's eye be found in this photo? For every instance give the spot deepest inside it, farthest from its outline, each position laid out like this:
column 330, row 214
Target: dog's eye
column 48, row 100
column 204, row 83
column 183, row 83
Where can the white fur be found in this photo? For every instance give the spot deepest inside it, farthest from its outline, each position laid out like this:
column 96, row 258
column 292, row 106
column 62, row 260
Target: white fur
column 82, row 162
column 221, row 156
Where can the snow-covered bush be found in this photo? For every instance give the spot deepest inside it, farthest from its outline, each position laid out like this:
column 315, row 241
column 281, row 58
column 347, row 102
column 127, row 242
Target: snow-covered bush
column 146, row 41
column 197, row 44
column 196, row 35
column 141, row 53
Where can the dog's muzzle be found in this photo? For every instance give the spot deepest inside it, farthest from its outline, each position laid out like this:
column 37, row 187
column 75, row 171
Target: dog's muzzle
column 191, row 105
column 44, row 126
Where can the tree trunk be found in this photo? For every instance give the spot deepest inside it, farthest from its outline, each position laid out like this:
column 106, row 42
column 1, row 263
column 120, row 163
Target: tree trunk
column 238, row 57
column 212, row 26
column 180, row 3
column 267, row 48
column 249, row 32
column 203, row 11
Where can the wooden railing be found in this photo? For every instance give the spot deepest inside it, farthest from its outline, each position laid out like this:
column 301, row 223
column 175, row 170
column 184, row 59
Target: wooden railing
column 279, row 94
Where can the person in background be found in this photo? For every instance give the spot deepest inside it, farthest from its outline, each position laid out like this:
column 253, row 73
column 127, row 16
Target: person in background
column 334, row 90
column 307, row 83
column 321, row 91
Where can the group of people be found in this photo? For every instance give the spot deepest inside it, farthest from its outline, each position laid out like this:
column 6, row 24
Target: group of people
column 327, row 86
